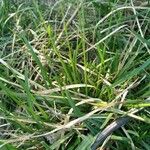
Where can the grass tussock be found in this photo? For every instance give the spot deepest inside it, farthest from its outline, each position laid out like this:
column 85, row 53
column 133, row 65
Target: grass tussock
column 69, row 68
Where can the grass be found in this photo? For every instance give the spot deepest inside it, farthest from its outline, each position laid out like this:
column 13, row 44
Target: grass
column 69, row 68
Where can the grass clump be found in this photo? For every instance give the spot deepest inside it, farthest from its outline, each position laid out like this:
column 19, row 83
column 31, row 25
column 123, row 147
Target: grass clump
column 69, row 68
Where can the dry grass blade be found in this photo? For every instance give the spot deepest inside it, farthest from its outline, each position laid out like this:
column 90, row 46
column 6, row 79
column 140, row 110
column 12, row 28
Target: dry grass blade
column 67, row 87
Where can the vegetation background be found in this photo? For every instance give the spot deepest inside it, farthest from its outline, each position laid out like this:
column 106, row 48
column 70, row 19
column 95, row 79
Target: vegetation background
column 69, row 68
